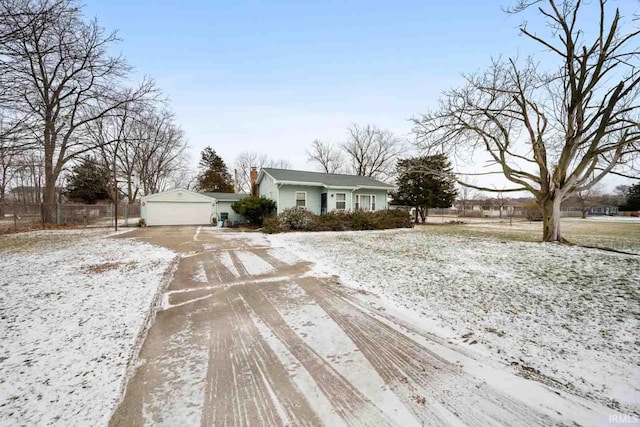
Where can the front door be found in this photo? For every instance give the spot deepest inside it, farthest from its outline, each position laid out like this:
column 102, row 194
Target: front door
column 323, row 203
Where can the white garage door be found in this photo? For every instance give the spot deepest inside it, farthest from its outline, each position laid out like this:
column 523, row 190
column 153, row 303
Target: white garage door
column 179, row 213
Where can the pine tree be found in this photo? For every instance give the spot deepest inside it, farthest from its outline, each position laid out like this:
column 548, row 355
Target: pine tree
column 88, row 182
column 633, row 198
column 425, row 182
column 214, row 175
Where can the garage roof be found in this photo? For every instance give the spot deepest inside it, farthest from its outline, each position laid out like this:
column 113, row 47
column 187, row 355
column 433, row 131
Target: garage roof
column 226, row 196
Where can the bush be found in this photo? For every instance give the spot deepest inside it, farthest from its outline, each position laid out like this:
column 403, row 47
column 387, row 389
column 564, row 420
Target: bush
column 296, row 219
column 272, row 225
column 299, row 219
column 255, row 209
column 333, row 221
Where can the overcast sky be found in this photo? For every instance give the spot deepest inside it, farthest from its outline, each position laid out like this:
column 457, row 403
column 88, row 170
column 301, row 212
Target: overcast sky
column 273, row 76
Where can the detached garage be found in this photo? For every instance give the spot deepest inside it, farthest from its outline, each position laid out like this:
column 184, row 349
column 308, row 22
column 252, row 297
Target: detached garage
column 178, row 207
column 184, row 207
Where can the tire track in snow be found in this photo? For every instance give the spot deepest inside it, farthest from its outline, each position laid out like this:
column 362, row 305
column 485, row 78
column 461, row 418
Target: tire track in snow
column 240, row 268
column 398, row 359
column 355, row 408
column 246, row 383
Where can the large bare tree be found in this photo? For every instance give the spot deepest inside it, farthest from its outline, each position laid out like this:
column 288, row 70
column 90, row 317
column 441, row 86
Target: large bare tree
column 550, row 132
column 372, row 151
column 250, row 159
column 63, row 78
column 326, row 156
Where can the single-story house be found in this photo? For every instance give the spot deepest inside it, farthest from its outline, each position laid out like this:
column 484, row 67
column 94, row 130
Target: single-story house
column 610, row 210
column 321, row 192
column 184, row 207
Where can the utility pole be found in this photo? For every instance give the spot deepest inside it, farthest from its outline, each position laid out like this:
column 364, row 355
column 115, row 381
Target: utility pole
column 115, row 187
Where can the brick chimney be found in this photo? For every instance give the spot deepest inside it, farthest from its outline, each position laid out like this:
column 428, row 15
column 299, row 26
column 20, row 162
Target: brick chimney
column 253, row 176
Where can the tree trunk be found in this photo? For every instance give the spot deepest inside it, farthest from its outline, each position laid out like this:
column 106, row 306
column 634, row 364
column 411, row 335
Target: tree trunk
column 551, row 220
column 49, row 201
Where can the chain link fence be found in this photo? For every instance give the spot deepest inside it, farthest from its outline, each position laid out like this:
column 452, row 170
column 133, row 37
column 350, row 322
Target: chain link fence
column 23, row 217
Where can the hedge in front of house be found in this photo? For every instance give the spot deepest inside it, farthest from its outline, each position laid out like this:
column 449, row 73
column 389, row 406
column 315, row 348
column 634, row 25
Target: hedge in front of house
column 299, row 219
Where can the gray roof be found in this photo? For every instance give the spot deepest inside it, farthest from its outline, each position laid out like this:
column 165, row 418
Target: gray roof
column 327, row 179
column 226, row 196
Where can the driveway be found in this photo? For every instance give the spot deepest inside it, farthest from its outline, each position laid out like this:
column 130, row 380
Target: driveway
column 247, row 335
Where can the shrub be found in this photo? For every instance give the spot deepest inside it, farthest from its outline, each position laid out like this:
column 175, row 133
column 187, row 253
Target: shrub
column 299, row 219
column 272, row 225
column 534, row 213
column 255, row 209
column 296, row 219
column 394, row 219
column 333, row 221
column 363, row 220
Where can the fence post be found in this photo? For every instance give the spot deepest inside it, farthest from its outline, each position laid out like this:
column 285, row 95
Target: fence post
column 15, row 220
column 85, row 217
column 58, row 214
column 126, row 214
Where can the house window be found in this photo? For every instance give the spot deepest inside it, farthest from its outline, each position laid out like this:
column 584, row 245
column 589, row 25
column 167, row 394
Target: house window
column 224, row 216
column 366, row 202
column 341, row 201
column 301, row 199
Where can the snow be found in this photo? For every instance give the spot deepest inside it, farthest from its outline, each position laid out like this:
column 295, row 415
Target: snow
column 285, row 256
column 225, row 259
column 254, row 264
column 626, row 219
column 73, row 305
column 565, row 316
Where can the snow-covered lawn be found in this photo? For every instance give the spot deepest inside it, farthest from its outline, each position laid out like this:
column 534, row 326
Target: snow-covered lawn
column 72, row 305
column 566, row 316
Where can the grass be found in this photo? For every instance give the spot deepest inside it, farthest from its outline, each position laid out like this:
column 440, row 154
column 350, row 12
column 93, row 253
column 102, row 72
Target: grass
column 39, row 240
column 603, row 234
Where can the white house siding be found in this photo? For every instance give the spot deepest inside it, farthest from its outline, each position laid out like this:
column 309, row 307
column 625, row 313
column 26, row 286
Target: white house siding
column 287, row 197
column 225, row 206
column 268, row 189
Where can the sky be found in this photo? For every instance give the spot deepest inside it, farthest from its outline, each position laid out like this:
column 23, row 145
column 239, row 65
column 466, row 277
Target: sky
column 272, row 76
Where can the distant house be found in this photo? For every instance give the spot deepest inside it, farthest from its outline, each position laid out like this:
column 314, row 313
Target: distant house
column 29, row 194
column 494, row 208
column 321, row 192
column 603, row 210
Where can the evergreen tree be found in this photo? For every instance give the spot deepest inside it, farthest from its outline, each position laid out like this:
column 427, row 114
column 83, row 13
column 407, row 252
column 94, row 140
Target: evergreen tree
column 88, row 182
column 213, row 175
column 425, row 182
column 633, row 198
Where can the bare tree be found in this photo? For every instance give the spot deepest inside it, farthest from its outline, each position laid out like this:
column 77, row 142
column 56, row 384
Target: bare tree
column 64, row 79
column 242, row 168
column 372, row 152
column 550, row 133
column 250, row 159
column 327, row 156
column 587, row 199
column 465, row 195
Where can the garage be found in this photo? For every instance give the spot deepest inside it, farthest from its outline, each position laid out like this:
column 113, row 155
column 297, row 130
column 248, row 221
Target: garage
column 177, row 207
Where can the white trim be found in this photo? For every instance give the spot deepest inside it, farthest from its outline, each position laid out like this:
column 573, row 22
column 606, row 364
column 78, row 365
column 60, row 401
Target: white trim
column 296, row 199
column 261, row 174
column 372, row 201
column 345, row 201
column 302, row 183
column 205, row 198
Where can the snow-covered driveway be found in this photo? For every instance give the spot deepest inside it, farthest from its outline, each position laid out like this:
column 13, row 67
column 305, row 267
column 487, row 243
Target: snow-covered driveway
column 248, row 335
column 72, row 306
